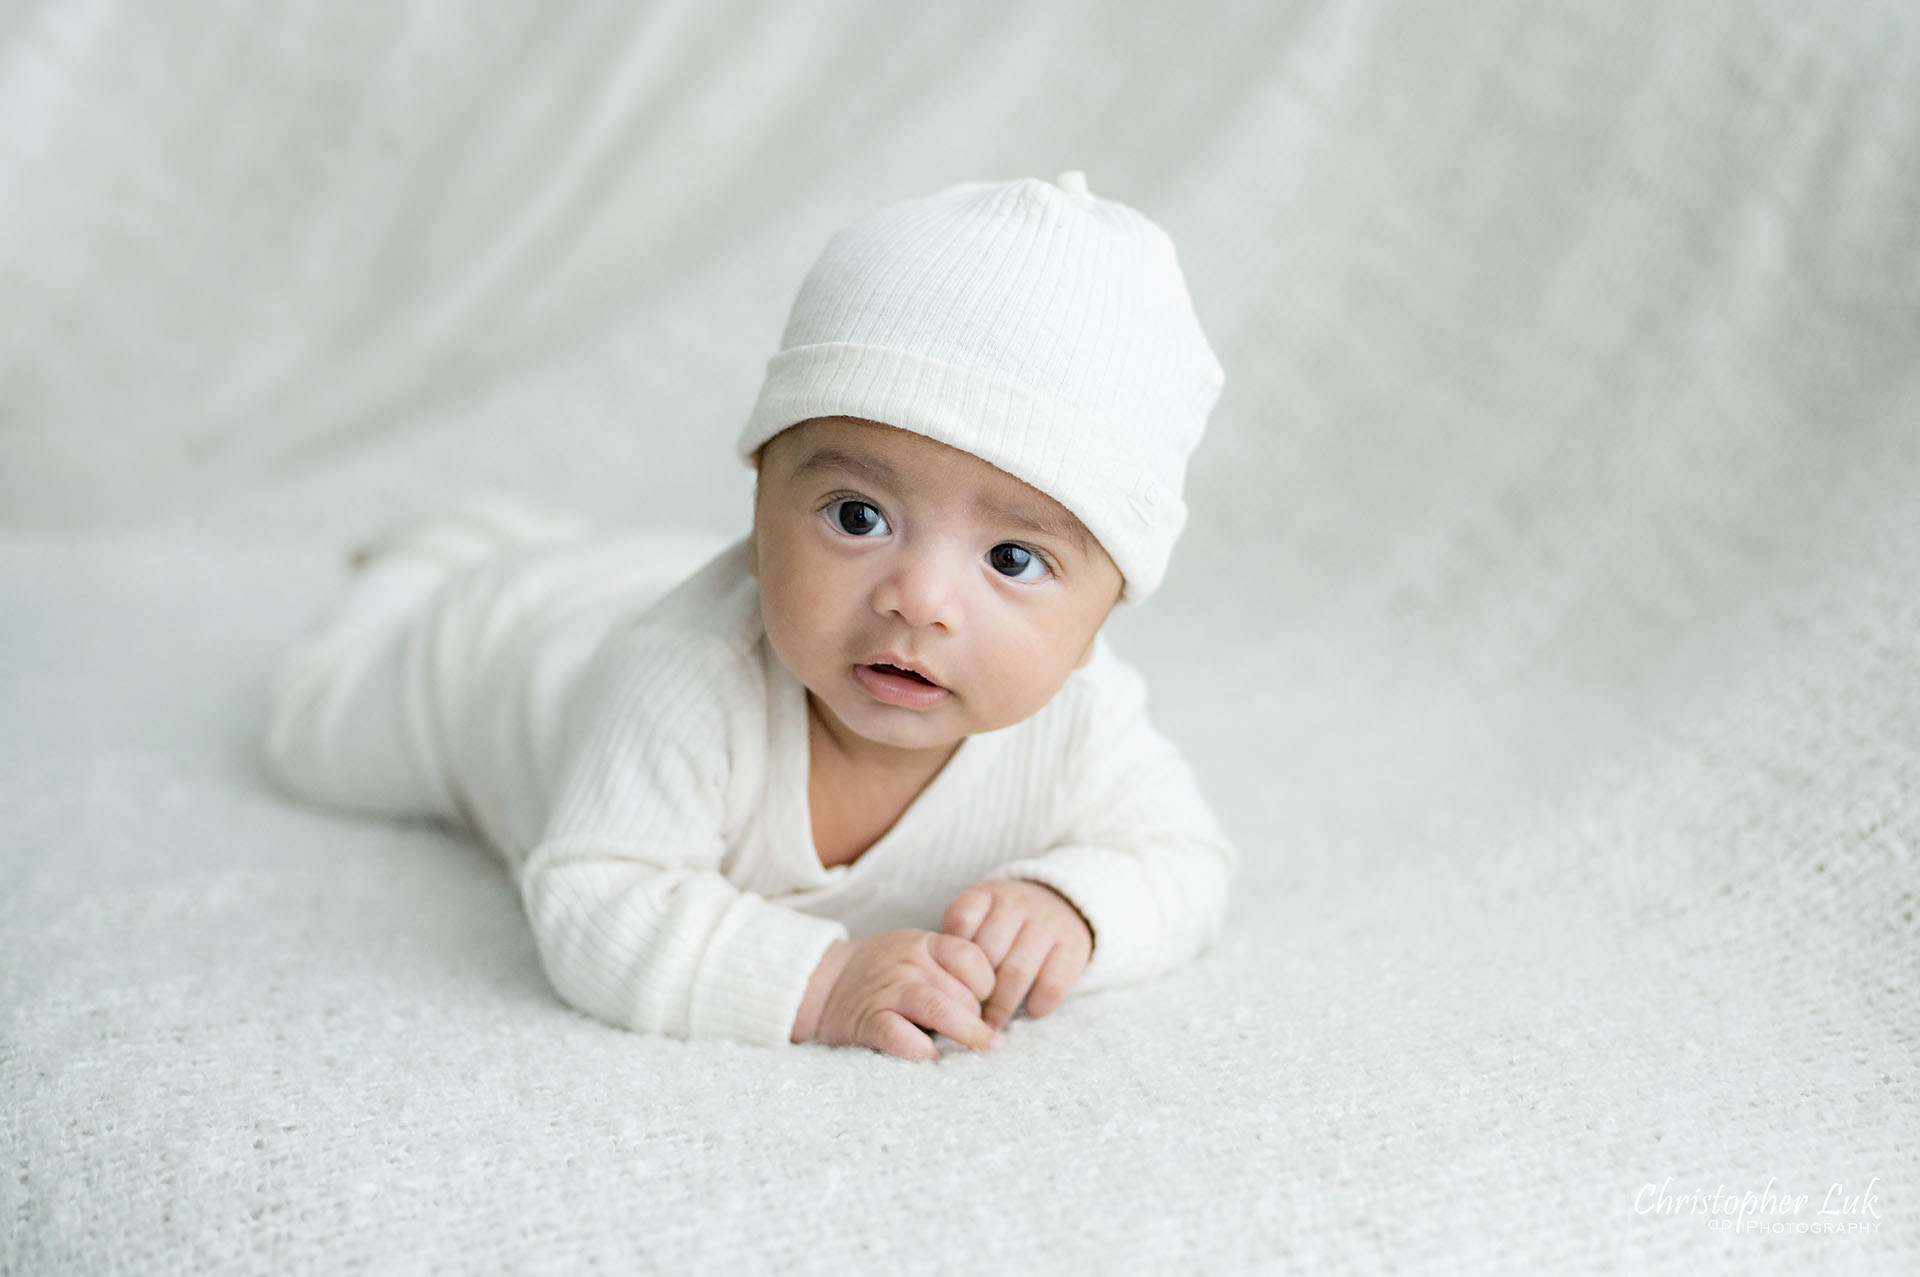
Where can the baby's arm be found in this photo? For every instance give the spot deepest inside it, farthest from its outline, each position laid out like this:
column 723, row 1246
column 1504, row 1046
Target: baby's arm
column 689, row 954
column 1142, row 861
column 635, row 921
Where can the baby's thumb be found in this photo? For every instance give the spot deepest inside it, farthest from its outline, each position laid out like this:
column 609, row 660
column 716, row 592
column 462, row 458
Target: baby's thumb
column 967, row 962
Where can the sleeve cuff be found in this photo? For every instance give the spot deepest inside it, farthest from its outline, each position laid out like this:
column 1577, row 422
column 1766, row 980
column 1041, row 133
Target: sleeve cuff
column 755, row 971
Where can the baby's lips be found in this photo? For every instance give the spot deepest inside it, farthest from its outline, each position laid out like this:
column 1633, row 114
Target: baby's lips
column 897, row 689
column 890, row 664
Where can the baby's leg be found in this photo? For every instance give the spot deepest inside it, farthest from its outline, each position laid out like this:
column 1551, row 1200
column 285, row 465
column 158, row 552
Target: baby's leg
column 439, row 690
column 354, row 712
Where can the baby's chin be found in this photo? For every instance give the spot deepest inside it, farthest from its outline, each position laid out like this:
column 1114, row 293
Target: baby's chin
column 918, row 731
column 907, row 730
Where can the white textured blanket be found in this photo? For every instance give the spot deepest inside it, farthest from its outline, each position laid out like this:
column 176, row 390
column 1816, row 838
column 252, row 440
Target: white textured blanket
column 1547, row 631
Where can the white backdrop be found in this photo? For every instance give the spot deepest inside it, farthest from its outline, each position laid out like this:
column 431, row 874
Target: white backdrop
column 1546, row 631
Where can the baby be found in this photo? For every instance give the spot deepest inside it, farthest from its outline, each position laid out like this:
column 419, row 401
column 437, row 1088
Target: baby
column 871, row 773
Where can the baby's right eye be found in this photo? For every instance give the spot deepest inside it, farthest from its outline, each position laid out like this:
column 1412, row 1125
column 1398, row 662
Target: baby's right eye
column 858, row 518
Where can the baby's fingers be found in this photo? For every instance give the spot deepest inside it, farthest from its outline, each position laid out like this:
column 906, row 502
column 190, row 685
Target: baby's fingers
column 966, row 912
column 1016, row 975
column 1062, row 971
column 944, row 1013
column 893, row 1033
column 966, row 961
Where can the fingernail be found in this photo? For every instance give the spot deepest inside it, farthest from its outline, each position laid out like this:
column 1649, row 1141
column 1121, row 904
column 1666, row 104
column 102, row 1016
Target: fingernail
column 999, row 1040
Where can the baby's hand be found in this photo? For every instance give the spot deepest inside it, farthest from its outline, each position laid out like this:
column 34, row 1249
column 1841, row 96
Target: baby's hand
column 880, row 987
column 1033, row 937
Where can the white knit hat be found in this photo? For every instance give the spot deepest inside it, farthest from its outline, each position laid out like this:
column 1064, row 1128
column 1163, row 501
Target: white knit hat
column 1038, row 327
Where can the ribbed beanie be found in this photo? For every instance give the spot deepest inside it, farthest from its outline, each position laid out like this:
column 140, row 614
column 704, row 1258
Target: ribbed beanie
column 1038, row 327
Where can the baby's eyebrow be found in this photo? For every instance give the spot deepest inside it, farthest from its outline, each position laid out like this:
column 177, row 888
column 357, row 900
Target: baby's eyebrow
column 1044, row 522
column 852, row 462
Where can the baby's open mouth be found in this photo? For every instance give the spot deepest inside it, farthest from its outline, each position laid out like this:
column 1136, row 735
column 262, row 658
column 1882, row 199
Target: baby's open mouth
column 897, row 671
column 902, row 688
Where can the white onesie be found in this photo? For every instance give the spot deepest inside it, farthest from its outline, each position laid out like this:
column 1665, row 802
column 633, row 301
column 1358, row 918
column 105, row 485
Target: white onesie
column 641, row 762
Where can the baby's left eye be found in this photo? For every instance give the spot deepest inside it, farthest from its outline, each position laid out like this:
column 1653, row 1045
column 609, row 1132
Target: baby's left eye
column 1017, row 562
column 858, row 518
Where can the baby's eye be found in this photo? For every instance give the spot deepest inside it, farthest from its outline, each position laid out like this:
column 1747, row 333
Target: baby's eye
column 858, row 518
column 1017, row 562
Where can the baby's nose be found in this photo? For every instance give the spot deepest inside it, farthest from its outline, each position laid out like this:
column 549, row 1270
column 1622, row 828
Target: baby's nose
column 920, row 590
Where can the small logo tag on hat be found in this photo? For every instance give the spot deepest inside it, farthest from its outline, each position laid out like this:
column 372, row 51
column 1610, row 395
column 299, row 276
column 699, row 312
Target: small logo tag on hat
column 1145, row 498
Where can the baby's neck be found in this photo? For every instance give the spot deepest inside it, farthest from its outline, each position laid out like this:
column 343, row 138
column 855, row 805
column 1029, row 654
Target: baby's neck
column 855, row 796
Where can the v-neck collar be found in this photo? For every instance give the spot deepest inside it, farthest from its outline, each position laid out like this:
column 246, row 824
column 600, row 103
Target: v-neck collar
column 789, row 770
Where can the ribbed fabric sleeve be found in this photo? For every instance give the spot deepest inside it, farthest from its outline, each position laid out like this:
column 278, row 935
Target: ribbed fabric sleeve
column 1144, row 860
column 634, row 920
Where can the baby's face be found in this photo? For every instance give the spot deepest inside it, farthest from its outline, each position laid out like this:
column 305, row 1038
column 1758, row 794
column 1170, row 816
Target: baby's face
column 877, row 547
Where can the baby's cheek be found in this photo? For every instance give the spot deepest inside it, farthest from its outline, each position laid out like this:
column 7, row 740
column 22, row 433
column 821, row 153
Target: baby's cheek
column 1020, row 697
column 1043, row 682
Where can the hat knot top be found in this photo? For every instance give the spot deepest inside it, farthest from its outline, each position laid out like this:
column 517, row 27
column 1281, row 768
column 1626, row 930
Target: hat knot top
column 1033, row 324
